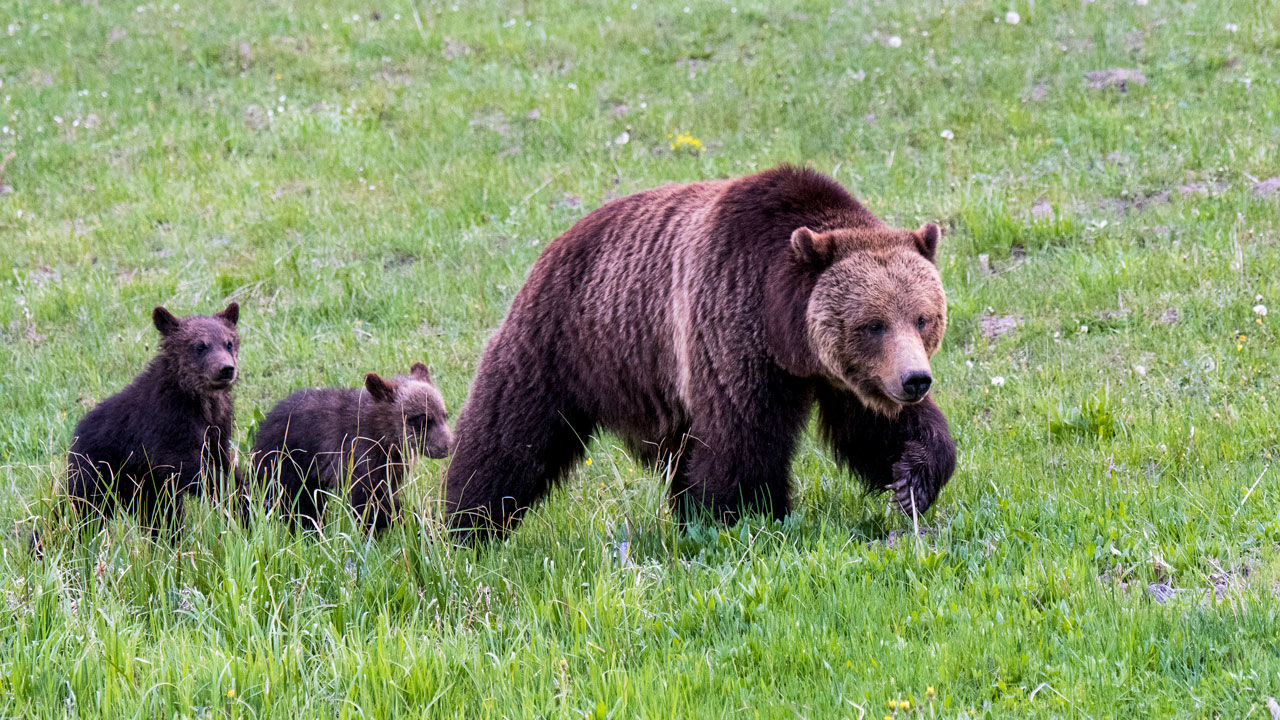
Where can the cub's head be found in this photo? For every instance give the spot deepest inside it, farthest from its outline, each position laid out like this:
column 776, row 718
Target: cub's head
column 877, row 312
column 203, row 349
column 420, row 407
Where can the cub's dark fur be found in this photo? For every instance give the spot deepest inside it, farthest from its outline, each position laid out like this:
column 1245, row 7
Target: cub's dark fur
column 311, row 442
column 165, row 436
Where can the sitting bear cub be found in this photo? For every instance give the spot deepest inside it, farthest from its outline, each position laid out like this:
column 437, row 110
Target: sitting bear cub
column 165, row 436
column 311, row 443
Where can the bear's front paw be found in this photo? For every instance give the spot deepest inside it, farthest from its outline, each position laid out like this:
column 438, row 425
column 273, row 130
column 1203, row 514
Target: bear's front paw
column 919, row 475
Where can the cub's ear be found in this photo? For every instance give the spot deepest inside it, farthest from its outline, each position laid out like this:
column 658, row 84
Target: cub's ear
column 927, row 241
column 164, row 320
column 231, row 314
column 420, row 372
column 378, row 388
column 811, row 248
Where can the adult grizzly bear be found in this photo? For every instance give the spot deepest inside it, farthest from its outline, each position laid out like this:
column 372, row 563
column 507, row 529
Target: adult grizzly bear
column 315, row 439
column 168, row 434
column 701, row 323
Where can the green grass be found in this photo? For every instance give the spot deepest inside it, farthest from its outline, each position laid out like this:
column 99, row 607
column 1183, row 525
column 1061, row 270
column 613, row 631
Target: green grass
column 373, row 191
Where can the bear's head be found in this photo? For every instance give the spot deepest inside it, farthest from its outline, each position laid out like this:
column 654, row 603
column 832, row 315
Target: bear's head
column 419, row 406
column 877, row 311
column 203, row 350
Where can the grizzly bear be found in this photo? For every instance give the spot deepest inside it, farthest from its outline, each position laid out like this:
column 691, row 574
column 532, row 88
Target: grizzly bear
column 165, row 436
column 313, row 440
column 701, row 323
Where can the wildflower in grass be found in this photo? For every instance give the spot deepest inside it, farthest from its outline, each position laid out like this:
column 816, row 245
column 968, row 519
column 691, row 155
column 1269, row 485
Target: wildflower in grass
column 947, row 135
column 231, row 693
column 998, row 381
column 588, row 461
column 894, row 41
column 687, row 143
column 929, row 691
column 1012, row 18
column 1260, row 310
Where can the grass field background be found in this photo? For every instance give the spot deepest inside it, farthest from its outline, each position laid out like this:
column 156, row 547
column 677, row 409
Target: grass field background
column 372, row 183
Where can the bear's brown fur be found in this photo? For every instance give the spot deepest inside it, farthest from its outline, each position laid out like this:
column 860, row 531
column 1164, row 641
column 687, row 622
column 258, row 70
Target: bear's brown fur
column 315, row 439
column 701, row 323
column 168, row 434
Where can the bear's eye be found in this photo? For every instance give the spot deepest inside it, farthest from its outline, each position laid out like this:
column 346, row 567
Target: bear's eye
column 229, row 347
column 922, row 322
column 202, row 348
column 874, row 328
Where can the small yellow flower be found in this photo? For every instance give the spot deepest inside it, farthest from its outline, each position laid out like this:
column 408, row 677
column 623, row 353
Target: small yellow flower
column 905, row 704
column 687, row 143
column 893, row 704
column 231, row 693
column 929, row 691
column 588, row 461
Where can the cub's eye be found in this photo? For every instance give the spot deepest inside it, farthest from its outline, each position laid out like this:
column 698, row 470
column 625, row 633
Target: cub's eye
column 202, row 348
column 874, row 328
column 922, row 322
column 230, row 347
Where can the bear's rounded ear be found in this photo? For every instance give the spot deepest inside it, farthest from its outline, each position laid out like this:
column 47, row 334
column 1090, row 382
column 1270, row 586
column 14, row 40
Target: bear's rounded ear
column 379, row 388
column 419, row 371
column 927, row 241
column 231, row 314
column 809, row 247
column 164, row 320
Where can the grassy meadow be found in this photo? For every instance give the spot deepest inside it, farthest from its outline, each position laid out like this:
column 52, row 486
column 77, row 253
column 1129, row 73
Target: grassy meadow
column 372, row 182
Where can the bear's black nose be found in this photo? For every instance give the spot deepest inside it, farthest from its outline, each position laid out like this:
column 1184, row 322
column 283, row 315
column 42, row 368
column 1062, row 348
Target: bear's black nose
column 228, row 372
column 916, row 384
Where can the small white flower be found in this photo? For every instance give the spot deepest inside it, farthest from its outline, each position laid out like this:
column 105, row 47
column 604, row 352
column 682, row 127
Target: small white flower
column 1084, row 328
column 573, row 86
column 894, row 41
column 1140, row 369
column 1012, row 18
column 998, row 381
column 622, row 139
column 1260, row 309
column 1232, row 27
column 947, row 135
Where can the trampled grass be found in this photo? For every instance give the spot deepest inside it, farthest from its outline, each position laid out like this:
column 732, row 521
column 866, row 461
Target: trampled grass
column 372, row 183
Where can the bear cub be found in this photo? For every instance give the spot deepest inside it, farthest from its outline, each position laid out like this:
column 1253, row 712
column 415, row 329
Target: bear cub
column 165, row 436
column 311, row 442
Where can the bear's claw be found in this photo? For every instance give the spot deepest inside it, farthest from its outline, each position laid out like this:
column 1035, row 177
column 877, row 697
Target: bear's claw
column 917, row 479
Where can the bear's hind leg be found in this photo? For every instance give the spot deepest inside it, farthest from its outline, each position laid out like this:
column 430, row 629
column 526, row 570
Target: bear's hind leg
column 508, row 456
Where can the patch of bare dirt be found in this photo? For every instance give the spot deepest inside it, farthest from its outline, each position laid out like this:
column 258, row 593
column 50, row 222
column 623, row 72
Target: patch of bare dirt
column 993, row 327
column 255, row 118
column 454, row 48
column 1115, row 78
column 1267, row 187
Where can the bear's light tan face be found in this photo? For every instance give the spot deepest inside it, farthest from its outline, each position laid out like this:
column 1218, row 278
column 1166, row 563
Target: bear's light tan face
column 875, row 318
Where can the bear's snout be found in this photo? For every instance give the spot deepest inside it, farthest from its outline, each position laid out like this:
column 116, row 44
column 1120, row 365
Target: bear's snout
column 227, row 373
column 915, row 384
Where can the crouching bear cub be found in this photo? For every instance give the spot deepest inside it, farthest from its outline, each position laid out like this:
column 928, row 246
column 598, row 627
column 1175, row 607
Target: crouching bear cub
column 165, row 436
column 701, row 323
column 314, row 441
